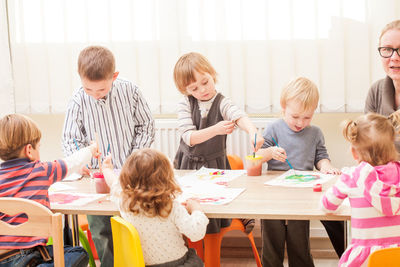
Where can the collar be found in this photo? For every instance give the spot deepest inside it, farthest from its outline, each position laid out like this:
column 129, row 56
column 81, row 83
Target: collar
column 14, row 163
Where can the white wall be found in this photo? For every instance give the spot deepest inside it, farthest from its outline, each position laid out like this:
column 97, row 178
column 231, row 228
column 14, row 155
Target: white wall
column 338, row 148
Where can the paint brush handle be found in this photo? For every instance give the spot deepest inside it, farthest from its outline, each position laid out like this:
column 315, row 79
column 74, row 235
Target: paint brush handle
column 98, row 145
column 255, row 142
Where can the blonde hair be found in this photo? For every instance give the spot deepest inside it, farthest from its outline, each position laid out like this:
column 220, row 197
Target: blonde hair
column 187, row 65
column 148, row 183
column 96, row 63
column 372, row 136
column 16, row 131
column 394, row 25
column 303, row 90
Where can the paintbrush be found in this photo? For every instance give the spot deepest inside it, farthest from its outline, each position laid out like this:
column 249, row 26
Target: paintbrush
column 290, row 165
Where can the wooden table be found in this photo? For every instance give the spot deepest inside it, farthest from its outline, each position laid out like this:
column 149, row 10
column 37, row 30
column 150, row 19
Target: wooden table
column 258, row 201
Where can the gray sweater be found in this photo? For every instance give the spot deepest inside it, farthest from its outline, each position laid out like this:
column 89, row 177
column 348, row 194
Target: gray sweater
column 304, row 149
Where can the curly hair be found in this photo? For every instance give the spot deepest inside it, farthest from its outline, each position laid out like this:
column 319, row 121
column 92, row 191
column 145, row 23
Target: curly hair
column 373, row 136
column 148, row 183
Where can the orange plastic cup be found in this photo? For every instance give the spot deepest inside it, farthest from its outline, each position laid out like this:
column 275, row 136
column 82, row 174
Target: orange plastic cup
column 254, row 165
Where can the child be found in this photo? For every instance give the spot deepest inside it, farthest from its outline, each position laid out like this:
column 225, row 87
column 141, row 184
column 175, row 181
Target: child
column 372, row 187
column 304, row 147
column 145, row 194
column 23, row 175
column 205, row 117
column 114, row 109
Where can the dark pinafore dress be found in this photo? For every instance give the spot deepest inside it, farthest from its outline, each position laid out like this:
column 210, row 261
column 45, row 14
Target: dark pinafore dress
column 210, row 154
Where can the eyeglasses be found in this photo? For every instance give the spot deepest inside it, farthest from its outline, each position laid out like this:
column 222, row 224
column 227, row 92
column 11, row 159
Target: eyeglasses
column 387, row 52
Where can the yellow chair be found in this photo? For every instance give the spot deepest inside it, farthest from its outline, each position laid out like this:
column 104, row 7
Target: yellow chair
column 388, row 257
column 41, row 222
column 127, row 248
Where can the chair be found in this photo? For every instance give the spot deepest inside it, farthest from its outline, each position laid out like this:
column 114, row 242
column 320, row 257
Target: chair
column 41, row 222
column 236, row 162
column 388, row 257
column 86, row 240
column 127, row 248
column 212, row 242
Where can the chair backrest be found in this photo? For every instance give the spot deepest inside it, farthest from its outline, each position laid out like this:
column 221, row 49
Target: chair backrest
column 236, row 162
column 127, row 248
column 41, row 222
column 387, row 257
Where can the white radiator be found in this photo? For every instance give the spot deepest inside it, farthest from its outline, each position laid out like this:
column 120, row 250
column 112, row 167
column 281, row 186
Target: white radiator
column 167, row 138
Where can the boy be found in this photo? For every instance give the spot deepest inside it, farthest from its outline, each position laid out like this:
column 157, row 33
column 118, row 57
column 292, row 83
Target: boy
column 114, row 109
column 23, row 175
column 304, row 147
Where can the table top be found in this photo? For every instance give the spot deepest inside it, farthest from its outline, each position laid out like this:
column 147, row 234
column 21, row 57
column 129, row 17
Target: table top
column 258, row 201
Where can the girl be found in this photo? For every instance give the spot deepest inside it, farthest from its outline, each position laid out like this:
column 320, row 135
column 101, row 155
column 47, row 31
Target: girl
column 372, row 187
column 205, row 117
column 145, row 194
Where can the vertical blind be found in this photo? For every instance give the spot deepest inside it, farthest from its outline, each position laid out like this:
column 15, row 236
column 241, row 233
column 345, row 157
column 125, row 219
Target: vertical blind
column 256, row 46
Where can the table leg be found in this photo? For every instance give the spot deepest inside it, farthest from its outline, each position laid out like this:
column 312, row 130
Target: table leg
column 75, row 229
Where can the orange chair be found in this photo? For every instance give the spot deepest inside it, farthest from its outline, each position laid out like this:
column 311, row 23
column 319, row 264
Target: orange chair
column 388, row 257
column 84, row 225
column 236, row 162
column 212, row 242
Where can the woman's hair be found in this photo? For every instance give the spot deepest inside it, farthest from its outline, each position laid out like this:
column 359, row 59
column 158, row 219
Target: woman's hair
column 185, row 67
column 373, row 135
column 303, row 90
column 148, row 183
column 390, row 26
column 17, row 131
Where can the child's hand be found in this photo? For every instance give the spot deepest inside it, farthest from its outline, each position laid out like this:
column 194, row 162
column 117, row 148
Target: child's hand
column 192, row 205
column 259, row 142
column 330, row 170
column 84, row 171
column 94, row 148
column 107, row 163
column 224, row 127
column 278, row 153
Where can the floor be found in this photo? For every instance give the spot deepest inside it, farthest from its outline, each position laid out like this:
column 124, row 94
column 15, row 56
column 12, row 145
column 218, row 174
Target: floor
column 249, row 262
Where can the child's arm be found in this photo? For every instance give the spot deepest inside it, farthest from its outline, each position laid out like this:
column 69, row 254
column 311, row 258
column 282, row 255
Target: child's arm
column 325, row 166
column 245, row 124
column 272, row 152
column 108, row 171
column 334, row 196
column 221, row 128
column 80, row 158
column 193, row 225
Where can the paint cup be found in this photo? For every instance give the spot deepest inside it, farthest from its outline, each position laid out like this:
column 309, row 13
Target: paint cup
column 254, row 165
column 100, row 182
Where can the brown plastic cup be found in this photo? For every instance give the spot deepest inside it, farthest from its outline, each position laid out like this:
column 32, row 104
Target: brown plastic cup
column 100, row 182
column 254, row 165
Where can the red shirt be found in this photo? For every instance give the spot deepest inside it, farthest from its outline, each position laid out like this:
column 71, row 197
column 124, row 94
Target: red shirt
column 31, row 180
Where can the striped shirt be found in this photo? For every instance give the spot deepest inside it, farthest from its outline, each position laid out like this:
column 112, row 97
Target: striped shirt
column 31, row 180
column 229, row 111
column 374, row 195
column 122, row 120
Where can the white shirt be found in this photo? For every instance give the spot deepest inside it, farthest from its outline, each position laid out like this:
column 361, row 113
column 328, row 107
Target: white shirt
column 161, row 238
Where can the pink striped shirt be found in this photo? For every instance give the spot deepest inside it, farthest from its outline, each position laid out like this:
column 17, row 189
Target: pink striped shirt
column 374, row 196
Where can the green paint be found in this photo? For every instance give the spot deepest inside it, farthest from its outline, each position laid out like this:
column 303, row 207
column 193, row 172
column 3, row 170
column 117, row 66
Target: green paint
column 302, row 177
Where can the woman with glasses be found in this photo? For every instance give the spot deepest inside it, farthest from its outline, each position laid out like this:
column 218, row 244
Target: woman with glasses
column 384, row 95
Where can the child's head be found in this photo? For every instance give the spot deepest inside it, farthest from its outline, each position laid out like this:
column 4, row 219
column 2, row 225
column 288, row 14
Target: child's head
column 96, row 67
column 372, row 137
column 299, row 99
column 19, row 137
column 148, row 183
column 194, row 75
